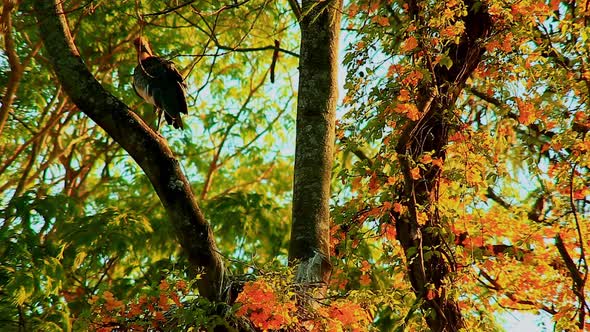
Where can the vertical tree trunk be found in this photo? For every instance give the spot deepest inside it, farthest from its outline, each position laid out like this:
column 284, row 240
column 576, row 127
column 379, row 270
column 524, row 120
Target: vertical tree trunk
column 425, row 249
column 316, row 114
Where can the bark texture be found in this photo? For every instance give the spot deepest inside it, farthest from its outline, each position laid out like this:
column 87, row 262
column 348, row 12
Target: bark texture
column 146, row 147
column 316, row 114
column 425, row 249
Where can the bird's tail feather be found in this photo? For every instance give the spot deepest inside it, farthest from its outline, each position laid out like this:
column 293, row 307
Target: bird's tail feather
column 175, row 121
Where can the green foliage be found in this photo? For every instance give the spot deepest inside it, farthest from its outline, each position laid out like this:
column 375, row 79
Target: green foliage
column 83, row 234
column 78, row 218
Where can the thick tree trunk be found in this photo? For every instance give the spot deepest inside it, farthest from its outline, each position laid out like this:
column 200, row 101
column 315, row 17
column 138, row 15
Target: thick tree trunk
column 146, row 147
column 316, row 115
column 425, row 248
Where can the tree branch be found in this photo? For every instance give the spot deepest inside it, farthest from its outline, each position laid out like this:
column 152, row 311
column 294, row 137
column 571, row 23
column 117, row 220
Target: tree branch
column 296, row 8
column 145, row 146
column 214, row 165
column 16, row 67
column 216, row 12
column 495, row 285
column 262, row 48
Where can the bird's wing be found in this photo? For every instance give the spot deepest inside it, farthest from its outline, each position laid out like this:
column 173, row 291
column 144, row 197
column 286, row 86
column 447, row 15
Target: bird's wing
column 179, row 89
column 171, row 68
column 158, row 82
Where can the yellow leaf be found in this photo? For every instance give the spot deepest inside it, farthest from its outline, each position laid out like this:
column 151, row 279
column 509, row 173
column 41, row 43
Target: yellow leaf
column 80, row 256
column 422, row 218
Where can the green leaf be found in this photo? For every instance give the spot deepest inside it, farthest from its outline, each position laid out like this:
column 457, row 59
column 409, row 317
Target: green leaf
column 446, row 61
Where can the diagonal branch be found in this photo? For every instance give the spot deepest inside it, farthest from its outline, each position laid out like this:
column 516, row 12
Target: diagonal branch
column 16, row 67
column 296, row 8
column 147, row 148
column 495, row 285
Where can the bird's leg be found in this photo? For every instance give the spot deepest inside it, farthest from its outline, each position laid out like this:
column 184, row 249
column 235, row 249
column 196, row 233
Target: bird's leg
column 159, row 115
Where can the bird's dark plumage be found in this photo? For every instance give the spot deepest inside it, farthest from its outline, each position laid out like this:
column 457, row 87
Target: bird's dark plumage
column 158, row 82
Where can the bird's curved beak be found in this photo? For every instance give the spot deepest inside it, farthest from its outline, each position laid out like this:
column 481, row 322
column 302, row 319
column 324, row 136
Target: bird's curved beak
column 143, row 47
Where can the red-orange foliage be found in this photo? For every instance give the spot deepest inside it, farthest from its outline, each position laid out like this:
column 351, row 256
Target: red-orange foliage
column 269, row 308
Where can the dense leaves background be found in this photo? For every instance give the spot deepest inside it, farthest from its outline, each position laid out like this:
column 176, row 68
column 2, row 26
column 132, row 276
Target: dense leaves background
column 81, row 227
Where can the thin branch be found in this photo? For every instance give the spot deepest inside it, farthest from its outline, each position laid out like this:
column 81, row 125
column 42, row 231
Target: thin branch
column 261, row 177
column 253, row 49
column 296, row 8
column 40, row 134
column 22, row 182
column 262, row 132
column 360, row 154
column 569, row 262
column 216, row 12
column 485, row 97
column 496, row 286
column 496, row 198
column 214, row 165
column 577, row 221
column 580, row 283
column 109, row 264
column 171, row 9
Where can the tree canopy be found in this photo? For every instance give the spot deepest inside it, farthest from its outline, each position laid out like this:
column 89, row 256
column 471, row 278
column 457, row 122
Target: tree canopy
column 445, row 187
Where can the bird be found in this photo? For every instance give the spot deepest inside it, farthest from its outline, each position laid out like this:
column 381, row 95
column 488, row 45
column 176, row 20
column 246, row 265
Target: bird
column 158, row 82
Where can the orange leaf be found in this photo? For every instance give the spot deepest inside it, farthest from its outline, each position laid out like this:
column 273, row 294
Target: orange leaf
column 404, row 95
column 163, row 302
column 159, row 316
column 108, row 295
column 526, row 112
column 430, row 294
column 422, row 218
column 175, row 298
column 409, row 44
column 366, row 266
column 437, row 162
column 181, row 285
column 164, row 285
column 393, row 69
column 135, row 309
column 351, row 316
column 426, row 159
column 388, row 231
column 373, row 183
column 457, row 137
column 356, row 183
column 113, row 304
column 365, row 280
column 381, row 20
column 353, row 9
column 410, row 110
column 415, row 173
column 93, row 299
column 413, row 78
